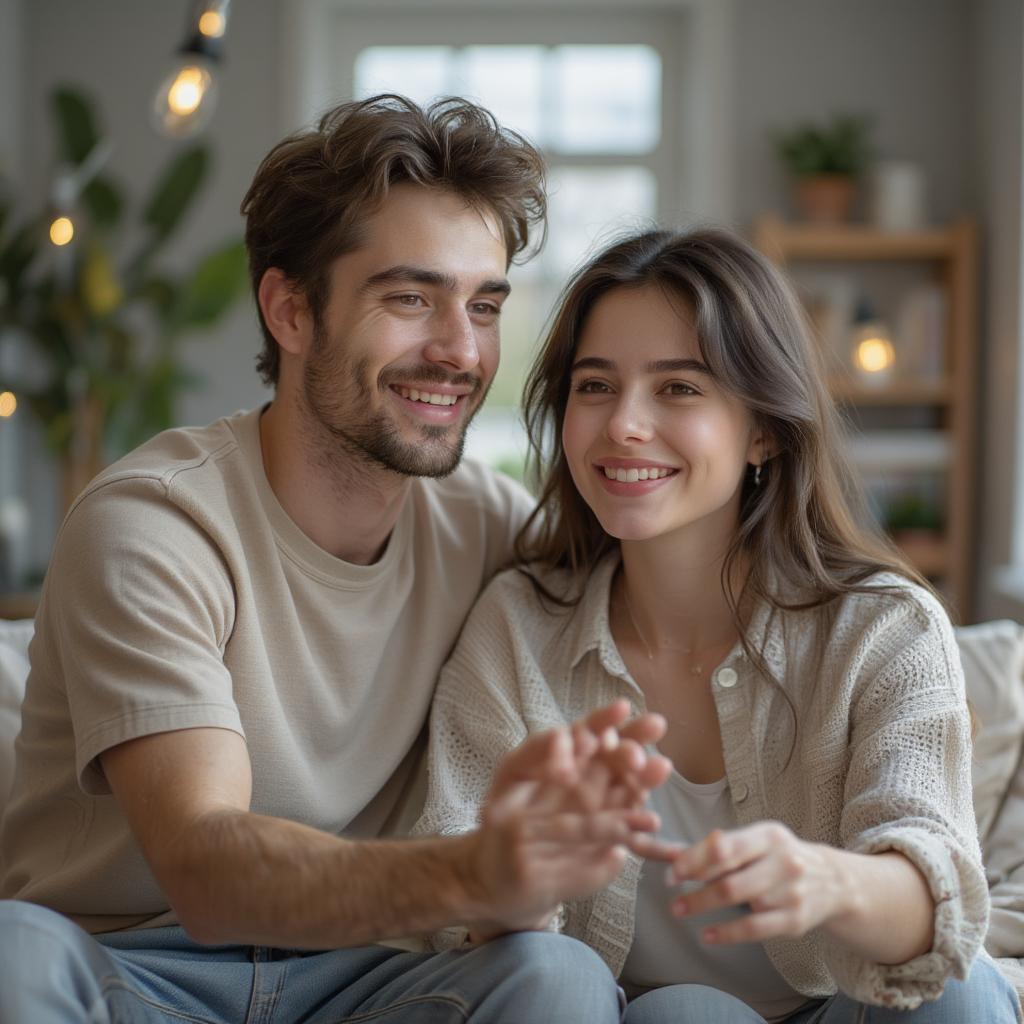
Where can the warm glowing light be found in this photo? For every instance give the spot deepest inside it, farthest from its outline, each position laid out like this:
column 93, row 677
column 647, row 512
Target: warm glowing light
column 187, row 91
column 61, row 232
column 212, row 24
column 8, row 403
column 874, row 355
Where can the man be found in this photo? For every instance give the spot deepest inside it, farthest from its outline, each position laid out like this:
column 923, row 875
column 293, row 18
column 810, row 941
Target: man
column 242, row 624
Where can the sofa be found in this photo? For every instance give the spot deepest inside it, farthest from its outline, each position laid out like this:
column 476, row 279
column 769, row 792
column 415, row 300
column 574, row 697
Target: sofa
column 993, row 660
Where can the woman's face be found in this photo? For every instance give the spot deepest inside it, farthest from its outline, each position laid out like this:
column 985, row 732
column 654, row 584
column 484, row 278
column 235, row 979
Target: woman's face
column 654, row 444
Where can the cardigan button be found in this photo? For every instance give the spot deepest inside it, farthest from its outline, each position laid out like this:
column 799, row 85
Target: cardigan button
column 726, row 677
column 741, row 792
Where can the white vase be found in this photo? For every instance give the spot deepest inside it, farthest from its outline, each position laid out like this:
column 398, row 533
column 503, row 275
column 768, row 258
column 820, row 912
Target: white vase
column 897, row 199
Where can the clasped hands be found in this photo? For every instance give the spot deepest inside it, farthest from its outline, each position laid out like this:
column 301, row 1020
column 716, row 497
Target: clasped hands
column 566, row 806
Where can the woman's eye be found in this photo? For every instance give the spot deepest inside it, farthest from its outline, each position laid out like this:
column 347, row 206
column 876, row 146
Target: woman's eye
column 591, row 387
column 679, row 388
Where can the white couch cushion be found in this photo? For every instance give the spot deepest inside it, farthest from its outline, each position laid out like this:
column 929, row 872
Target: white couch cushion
column 993, row 658
column 14, row 640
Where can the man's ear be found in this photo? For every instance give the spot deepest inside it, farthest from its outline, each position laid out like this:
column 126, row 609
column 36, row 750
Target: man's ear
column 285, row 311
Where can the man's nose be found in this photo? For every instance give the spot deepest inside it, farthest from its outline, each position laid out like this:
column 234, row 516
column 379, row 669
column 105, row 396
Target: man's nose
column 454, row 343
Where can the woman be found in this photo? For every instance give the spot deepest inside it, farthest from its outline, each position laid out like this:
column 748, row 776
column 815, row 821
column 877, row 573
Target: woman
column 693, row 553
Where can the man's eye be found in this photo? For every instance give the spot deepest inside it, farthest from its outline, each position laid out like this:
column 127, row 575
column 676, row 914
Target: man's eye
column 679, row 388
column 485, row 309
column 409, row 300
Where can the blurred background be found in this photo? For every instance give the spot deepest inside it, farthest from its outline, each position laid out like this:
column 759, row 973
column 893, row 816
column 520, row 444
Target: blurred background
column 872, row 147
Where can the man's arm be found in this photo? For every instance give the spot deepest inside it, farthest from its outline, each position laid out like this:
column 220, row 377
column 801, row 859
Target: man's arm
column 234, row 876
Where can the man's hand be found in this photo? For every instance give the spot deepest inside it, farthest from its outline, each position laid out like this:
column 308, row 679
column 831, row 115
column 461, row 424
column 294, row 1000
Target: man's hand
column 562, row 811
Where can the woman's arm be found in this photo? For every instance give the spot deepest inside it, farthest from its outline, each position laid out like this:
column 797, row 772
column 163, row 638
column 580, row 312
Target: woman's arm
column 877, row 906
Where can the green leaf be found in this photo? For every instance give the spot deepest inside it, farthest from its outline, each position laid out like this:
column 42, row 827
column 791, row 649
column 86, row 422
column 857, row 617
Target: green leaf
column 104, row 202
column 17, row 254
column 175, row 191
column 76, row 124
column 216, row 284
column 160, row 292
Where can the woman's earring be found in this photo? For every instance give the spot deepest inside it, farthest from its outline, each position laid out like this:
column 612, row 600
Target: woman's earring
column 757, row 475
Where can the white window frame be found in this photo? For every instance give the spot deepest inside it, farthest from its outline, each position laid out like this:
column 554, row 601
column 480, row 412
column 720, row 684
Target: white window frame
column 699, row 101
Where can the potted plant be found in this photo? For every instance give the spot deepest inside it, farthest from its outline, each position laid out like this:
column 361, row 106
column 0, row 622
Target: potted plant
column 825, row 162
column 97, row 322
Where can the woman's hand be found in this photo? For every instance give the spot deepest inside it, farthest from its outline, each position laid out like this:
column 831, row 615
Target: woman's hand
column 791, row 886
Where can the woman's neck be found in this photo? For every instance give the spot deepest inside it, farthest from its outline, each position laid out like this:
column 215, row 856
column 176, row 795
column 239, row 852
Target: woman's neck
column 673, row 597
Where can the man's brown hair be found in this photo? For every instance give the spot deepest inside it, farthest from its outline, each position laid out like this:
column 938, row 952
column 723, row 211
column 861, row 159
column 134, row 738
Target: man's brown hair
column 313, row 191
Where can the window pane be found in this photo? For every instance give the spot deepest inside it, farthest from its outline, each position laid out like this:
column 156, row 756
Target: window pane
column 507, row 80
column 608, row 99
column 419, row 72
column 588, row 206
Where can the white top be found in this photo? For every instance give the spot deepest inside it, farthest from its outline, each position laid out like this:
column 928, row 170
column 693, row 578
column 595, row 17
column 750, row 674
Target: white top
column 881, row 759
column 667, row 950
column 181, row 594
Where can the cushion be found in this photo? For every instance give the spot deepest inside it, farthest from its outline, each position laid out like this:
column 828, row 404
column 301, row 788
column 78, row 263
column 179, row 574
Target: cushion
column 993, row 659
column 14, row 640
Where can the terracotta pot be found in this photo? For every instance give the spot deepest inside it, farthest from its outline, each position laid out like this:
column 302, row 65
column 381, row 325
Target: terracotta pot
column 825, row 198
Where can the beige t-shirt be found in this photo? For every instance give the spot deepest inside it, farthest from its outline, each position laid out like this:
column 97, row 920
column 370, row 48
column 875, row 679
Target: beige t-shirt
column 180, row 594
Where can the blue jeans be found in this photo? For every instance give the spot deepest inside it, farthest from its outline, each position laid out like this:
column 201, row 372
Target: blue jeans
column 986, row 997
column 51, row 971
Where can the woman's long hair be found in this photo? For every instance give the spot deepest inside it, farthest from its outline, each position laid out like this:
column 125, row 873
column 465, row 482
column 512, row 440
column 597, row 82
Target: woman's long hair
column 797, row 536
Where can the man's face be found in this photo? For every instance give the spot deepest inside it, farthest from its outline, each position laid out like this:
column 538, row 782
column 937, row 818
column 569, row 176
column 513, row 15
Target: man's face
column 408, row 343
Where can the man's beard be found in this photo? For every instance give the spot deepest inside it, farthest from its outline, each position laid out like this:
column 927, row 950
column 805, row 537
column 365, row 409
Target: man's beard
column 333, row 389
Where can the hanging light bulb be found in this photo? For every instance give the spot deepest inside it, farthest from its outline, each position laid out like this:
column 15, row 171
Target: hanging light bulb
column 8, row 404
column 187, row 95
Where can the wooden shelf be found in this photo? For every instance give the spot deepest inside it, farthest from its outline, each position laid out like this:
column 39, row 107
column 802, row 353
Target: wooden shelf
column 18, row 605
column 947, row 405
column 927, row 552
column 897, row 393
column 857, row 242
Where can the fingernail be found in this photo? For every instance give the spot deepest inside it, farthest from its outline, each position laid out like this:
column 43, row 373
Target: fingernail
column 610, row 738
column 710, row 935
column 670, row 876
column 680, row 907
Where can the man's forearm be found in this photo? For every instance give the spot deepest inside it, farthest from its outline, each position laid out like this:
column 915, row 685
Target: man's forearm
column 241, row 877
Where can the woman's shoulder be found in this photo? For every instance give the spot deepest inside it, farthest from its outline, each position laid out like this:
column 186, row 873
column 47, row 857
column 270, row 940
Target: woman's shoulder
column 886, row 616
column 888, row 600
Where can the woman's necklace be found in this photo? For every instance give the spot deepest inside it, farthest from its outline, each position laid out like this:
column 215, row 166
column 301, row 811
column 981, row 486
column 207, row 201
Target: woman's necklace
column 695, row 670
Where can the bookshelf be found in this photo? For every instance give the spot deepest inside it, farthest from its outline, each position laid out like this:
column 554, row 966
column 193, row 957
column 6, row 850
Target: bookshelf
column 916, row 430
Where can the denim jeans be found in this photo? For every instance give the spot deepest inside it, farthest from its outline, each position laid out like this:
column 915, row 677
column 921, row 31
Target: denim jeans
column 986, row 997
column 52, row 972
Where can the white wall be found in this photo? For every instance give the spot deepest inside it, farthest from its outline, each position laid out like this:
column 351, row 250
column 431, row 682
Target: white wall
column 903, row 61
column 997, row 189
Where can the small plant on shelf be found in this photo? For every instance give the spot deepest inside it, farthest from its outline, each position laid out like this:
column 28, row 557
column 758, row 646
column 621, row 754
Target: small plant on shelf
column 825, row 162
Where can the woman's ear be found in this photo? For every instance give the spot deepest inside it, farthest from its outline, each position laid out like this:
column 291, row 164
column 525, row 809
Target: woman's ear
column 762, row 447
column 285, row 311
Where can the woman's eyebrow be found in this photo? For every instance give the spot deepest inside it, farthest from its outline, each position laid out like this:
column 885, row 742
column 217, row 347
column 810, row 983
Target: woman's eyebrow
column 657, row 366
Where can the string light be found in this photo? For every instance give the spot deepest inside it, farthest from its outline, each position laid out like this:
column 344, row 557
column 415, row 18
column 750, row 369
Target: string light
column 61, row 232
column 187, row 94
column 8, row 404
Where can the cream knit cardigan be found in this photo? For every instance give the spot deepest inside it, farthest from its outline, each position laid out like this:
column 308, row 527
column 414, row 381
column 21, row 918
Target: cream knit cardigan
column 880, row 760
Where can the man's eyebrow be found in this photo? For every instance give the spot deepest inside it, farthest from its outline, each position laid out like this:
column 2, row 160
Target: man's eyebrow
column 657, row 366
column 409, row 273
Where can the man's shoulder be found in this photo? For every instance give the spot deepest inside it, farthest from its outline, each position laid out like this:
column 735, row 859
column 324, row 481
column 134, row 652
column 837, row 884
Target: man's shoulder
column 170, row 457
